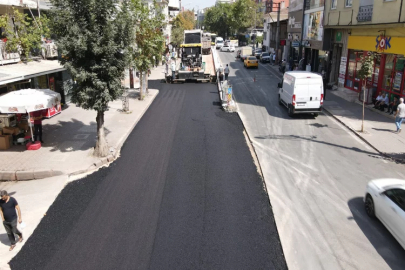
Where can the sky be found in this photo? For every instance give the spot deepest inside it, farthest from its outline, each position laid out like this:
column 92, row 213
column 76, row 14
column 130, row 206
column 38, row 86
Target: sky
column 197, row 4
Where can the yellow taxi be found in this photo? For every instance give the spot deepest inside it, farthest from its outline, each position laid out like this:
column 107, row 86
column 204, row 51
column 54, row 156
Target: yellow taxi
column 251, row 61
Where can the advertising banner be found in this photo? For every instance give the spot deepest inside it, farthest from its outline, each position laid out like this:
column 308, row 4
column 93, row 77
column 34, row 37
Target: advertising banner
column 294, row 22
column 313, row 26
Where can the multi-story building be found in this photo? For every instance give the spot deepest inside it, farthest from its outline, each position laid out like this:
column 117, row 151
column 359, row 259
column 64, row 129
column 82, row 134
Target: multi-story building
column 360, row 27
column 43, row 73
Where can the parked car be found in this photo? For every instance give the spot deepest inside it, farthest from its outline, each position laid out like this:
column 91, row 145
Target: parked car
column 265, row 57
column 385, row 199
column 301, row 92
column 251, row 61
column 227, row 48
column 258, row 52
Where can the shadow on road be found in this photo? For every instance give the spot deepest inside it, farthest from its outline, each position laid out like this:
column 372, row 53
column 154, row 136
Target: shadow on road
column 384, row 243
column 312, row 139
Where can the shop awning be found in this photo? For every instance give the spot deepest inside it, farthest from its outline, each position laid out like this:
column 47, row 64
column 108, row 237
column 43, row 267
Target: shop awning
column 22, row 71
column 29, row 100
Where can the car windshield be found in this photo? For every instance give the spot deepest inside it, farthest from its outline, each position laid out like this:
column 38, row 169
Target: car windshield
column 252, row 58
column 265, row 54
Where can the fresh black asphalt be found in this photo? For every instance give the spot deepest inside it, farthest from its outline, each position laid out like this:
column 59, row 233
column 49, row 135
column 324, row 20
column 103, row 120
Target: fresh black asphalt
column 185, row 194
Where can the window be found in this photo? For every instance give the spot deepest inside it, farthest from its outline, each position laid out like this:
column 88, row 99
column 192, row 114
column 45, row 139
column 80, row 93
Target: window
column 334, row 4
column 348, row 3
column 397, row 196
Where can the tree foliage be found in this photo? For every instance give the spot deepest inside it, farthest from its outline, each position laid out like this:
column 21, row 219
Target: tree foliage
column 227, row 19
column 149, row 37
column 24, row 33
column 94, row 37
column 183, row 21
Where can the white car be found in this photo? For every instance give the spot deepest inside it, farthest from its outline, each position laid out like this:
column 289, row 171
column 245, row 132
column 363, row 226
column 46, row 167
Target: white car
column 227, row 48
column 385, row 199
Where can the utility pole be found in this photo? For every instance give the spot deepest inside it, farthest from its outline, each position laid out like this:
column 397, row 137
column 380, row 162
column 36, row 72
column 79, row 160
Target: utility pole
column 277, row 31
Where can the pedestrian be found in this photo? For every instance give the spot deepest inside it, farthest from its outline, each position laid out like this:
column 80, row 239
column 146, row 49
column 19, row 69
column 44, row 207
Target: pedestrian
column 226, row 71
column 8, row 207
column 400, row 114
column 274, row 59
column 173, row 70
column 37, row 117
column 291, row 64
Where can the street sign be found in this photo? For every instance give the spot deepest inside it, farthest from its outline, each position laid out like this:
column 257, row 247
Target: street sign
column 247, row 36
column 295, row 44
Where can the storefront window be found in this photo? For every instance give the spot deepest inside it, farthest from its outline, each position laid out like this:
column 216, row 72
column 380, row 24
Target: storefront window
column 354, row 64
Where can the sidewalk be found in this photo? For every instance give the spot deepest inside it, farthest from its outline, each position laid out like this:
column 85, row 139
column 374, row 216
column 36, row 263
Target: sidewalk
column 69, row 138
column 379, row 126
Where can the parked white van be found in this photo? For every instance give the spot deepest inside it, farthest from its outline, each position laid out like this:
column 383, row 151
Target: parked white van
column 301, row 92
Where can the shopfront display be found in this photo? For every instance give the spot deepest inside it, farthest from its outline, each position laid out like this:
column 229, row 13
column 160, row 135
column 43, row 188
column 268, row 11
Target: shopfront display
column 387, row 76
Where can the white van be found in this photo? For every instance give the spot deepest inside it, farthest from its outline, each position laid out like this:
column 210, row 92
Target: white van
column 219, row 42
column 301, row 92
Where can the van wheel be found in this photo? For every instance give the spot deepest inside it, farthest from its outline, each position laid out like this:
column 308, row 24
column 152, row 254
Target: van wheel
column 290, row 111
column 316, row 114
column 279, row 100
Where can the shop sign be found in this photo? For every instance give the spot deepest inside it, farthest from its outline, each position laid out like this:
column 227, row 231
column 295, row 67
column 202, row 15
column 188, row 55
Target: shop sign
column 382, row 43
column 338, row 37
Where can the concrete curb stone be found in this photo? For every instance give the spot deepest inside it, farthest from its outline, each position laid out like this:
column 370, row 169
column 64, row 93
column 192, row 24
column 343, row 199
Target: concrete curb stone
column 40, row 174
column 400, row 160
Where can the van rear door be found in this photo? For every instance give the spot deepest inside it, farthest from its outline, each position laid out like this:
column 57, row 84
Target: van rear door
column 308, row 93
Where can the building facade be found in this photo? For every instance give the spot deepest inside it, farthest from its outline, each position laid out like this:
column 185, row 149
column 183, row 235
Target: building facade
column 361, row 27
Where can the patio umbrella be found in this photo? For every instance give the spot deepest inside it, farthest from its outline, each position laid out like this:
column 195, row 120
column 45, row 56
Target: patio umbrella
column 29, row 100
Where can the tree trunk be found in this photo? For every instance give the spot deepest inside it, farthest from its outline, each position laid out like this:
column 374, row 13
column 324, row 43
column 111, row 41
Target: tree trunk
column 101, row 149
column 141, row 85
column 147, row 85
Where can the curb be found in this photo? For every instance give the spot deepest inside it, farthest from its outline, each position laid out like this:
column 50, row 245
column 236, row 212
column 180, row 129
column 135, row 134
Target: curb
column 398, row 160
column 41, row 174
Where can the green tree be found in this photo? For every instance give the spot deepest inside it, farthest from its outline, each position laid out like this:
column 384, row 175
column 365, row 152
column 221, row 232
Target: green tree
column 227, row 19
column 94, row 37
column 149, row 39
column 364, row 73
column 183, row 21
column 24, row 33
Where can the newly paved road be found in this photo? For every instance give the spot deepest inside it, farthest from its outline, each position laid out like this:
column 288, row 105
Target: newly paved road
column 315, row 172
column 185, row 194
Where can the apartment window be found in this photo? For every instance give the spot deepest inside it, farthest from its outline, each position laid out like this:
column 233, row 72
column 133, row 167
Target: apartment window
column 334, row 4
column 348, row 3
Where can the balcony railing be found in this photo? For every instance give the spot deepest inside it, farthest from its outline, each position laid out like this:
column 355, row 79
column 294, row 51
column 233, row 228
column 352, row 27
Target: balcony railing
column 365, row 13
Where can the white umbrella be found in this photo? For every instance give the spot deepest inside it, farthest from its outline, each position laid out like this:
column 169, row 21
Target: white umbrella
column 28, row 100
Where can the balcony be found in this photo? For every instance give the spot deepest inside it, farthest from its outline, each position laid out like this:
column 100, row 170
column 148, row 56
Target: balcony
column 365, row 13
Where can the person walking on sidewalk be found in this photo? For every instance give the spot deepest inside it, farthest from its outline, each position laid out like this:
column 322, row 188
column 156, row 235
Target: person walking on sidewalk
column 400, row 114
column 8, row 207
column 226, row 71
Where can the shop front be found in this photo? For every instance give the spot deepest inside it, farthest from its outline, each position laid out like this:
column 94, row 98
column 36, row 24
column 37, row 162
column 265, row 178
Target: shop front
column 388, row 67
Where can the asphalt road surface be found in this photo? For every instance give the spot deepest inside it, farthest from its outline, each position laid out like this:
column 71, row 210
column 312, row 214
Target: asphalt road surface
column 185, row 194
column 315, row 173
